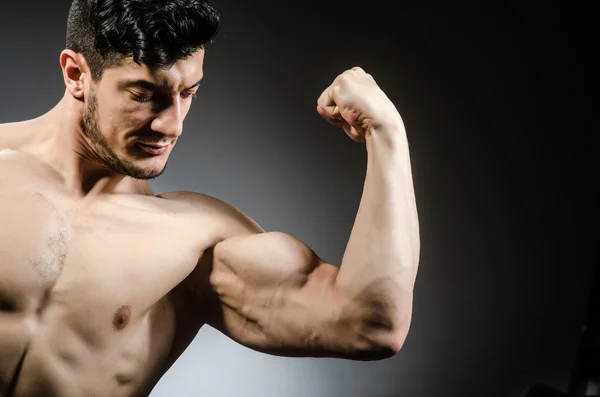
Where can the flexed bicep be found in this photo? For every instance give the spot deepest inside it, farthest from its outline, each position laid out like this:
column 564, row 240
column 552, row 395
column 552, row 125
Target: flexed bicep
column 279, row 297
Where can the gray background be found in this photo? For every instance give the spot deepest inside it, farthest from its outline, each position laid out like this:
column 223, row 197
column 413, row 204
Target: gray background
column 498, row 118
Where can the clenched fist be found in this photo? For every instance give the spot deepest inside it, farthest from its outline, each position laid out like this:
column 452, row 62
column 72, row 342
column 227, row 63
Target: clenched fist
column 356, row 103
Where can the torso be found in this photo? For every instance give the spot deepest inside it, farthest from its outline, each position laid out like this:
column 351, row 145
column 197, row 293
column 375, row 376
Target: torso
column 89, row 302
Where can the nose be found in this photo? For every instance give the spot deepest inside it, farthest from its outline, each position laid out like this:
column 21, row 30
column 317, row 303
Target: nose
column 169, row 120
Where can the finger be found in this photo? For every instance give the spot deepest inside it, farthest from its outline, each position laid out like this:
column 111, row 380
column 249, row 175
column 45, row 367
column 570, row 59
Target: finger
column 325, row 99
column 350, row 131
column 327, row 103
column 340, row 122
column 353, row 133
column 337, row 121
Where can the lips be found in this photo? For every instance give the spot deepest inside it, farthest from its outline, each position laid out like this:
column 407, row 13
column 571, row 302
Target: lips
column 153, row 148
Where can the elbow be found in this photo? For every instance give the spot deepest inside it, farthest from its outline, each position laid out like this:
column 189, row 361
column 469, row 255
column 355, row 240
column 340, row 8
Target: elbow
column 399, row 333
column 381, row 341
column 375, row 348
column 396, row 343
column 381, row 319
column 391, row 342
column 386, row 328
column 393, row 331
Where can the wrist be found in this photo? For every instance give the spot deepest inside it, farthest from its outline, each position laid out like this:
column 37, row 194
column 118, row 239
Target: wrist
column 388, row 134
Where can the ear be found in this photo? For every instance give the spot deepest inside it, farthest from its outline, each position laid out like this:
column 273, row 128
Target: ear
column 74, row 67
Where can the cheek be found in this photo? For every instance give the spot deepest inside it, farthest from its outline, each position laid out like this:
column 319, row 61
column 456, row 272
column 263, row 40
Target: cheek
column 108, row 122
column 121, row 120
column 132, row 114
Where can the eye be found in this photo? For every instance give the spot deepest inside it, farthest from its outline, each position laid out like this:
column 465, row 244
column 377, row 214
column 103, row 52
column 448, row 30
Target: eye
column 186, row 95
column 142, row 98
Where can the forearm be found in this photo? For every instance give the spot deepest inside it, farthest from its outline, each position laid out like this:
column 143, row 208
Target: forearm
column 381, row 259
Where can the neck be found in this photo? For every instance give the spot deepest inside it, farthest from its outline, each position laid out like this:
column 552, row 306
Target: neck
column 57, row 139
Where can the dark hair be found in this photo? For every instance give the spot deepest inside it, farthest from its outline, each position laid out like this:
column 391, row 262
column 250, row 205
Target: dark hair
column 156, row 33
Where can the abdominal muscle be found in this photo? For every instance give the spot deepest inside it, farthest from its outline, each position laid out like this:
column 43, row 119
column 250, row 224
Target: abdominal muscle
column 61, row 361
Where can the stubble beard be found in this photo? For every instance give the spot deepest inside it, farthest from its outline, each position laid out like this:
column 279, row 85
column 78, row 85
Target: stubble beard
column 90, row 127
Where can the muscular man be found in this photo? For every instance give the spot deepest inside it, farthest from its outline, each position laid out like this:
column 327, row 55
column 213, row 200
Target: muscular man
column 103, row 283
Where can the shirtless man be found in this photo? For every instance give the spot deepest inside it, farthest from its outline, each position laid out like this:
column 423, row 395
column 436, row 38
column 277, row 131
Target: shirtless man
column 103, row 283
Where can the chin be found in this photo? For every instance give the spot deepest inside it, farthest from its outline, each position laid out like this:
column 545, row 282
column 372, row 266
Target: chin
column 150, row 172
column 140, row 165
column 144, row 169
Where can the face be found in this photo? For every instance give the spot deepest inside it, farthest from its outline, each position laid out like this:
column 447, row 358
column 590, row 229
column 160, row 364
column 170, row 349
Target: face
column 134, row 115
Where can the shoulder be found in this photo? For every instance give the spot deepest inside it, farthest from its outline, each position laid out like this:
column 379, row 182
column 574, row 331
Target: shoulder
column 5, row 133
column 15, row 135
column 228, row 220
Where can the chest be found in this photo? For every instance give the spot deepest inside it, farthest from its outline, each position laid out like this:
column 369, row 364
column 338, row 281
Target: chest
column 97, row 265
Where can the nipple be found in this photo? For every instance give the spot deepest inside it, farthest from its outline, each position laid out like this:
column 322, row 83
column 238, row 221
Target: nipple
column 122, row 317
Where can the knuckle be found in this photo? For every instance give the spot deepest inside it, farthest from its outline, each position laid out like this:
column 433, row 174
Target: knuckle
column 324, row 97
column 343, row 78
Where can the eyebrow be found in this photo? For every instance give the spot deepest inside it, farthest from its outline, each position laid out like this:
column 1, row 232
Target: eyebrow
column 150, row 86
column 197, row 84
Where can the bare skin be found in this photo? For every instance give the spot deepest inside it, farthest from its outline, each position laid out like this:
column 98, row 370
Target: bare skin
column 103, row 283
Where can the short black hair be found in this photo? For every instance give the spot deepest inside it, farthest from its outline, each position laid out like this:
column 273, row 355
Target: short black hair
column 156, row 33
